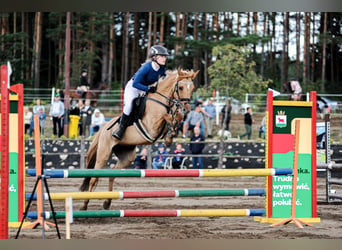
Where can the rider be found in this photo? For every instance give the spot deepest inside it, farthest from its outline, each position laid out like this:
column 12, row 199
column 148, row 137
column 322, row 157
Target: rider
column 147, row 74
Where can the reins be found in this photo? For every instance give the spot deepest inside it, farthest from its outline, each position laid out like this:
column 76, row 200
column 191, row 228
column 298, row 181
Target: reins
column 173, row 102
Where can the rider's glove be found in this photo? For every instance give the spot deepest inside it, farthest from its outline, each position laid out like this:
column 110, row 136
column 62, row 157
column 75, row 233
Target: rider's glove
column 152, row 89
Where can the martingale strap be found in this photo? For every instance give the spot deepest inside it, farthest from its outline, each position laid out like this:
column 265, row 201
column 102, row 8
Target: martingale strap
column 143, row 131
column 159, row 102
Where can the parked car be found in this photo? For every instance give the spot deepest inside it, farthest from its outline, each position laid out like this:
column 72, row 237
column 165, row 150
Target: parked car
column 320, row 133
column 322, row 101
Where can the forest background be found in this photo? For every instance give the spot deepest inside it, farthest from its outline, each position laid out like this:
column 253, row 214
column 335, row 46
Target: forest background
column 112, row 46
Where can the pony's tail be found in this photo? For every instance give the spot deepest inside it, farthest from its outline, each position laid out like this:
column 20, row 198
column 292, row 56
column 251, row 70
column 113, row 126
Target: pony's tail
column 90, row 163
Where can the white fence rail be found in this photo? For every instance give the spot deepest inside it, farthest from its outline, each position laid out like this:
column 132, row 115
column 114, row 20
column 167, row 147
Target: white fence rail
column 111, row 100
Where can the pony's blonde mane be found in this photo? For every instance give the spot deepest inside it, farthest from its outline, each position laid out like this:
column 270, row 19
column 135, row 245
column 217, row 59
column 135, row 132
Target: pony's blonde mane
column 173, row 76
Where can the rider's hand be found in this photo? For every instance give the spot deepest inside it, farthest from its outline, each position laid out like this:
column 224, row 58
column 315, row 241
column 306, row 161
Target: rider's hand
column 152, row 89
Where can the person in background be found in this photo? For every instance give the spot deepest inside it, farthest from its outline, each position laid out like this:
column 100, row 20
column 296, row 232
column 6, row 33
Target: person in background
column 140, row 161
column 80, row 106
column 74, row 109
column 160, row 159
column 177, row 160
column 57, row 113
column 198, row 101
column 42, row 119
column 228, row 112
column 35, row 112
column 196, row 148
column 97, row 119
column 84, row 85
column 296, row 89
column 248, row 120
column 86, row 113
column 193, row 119
column 210, row 109
column 61, row 94
column 28, row 117
column 262, row 129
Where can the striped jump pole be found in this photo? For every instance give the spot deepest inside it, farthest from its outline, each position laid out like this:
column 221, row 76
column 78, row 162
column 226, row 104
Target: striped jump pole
column 156, row 213
column 81, row 173
column 153, row 194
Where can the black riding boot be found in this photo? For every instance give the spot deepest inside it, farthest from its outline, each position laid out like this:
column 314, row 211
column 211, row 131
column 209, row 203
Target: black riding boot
column 123, row 125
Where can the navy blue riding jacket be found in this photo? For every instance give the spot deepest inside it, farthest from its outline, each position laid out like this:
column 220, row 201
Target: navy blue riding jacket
column 146, row 76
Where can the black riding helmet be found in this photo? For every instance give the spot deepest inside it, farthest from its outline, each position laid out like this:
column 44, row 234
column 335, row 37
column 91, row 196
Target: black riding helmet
column 158, row 50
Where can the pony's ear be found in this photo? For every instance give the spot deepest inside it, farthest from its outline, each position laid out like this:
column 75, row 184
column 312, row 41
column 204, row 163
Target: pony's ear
column 179, row 70
column 195, row 74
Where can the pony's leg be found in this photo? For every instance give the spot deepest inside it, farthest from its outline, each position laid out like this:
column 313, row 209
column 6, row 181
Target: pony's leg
column 105, row 153
column 124, row 159
column 106, row 203
column 92, row 185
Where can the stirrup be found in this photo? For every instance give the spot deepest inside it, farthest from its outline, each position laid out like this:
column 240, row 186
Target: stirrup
column 116, row 136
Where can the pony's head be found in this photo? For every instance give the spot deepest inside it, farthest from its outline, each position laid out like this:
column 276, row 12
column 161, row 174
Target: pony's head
column 184, row 87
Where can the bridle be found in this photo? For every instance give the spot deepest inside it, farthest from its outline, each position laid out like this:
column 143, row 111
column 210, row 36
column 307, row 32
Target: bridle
column 175, row 105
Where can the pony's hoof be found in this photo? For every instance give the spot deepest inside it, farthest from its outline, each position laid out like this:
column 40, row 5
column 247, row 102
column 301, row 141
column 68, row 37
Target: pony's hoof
column 106, row 204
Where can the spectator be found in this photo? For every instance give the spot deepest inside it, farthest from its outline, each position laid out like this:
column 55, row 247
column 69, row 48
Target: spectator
column 160, row 159
column 223, row 113
column 57, row 113
column 83, row 87
column 193, row 119
column 248, row 124
column 61, row 94
column 262, row 130
column 177, row 160
column 74, row 109
column 80, row 123
column 86, row 113
column 210, row 109
column 140, row 161
column 35, row 112
column 196, row 148
column 97, row 119
column 42, row 119
column 296, row 89
column 198, row 101
column 28, row 117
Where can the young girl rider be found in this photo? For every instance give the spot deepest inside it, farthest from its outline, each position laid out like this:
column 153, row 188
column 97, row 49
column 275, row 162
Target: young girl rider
column 148, row 73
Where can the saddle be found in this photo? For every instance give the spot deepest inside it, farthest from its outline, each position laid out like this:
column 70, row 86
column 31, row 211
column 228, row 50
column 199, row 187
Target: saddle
column 139, row 105
column 138, row 110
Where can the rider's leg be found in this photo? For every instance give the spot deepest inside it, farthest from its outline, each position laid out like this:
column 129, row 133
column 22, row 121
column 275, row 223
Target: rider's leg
column 130, row 94
column 118, row 134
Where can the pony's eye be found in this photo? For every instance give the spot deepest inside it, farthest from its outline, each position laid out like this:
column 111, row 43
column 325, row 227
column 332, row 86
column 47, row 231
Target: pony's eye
column 180, row 88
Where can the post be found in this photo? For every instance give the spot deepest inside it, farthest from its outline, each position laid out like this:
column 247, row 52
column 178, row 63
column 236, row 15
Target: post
column 82, row 155
column 68, row 216
column 217, row 109
column 294, row 183
column 67, row 76
column 4, row 153
column 327, row 156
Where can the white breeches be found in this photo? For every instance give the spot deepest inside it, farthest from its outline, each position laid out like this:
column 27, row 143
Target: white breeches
column 129, row 95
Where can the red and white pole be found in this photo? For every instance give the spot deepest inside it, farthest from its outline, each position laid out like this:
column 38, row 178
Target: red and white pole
column 4, row 145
